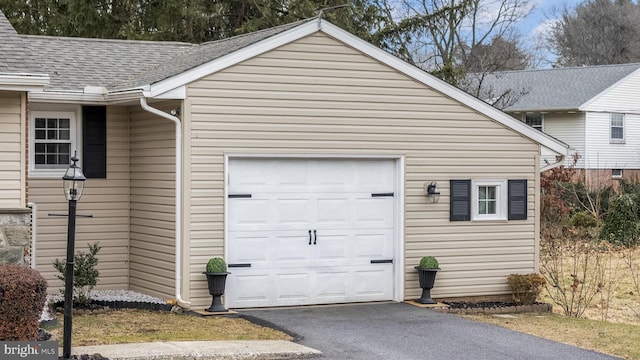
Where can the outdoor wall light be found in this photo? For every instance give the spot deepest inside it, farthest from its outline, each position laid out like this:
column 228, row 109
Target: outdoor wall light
column 432, row 193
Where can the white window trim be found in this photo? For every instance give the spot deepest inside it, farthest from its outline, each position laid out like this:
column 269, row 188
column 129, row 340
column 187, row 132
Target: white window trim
column 624, row 120
column 501, row 200
column 524, row 120
column 615, row 175
column 75, row 130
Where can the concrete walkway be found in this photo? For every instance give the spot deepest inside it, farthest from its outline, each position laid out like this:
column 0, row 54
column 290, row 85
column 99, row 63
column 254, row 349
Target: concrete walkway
column 201, row 350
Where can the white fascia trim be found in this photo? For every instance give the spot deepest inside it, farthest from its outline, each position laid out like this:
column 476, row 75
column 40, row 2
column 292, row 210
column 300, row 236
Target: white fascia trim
column 23, row 82
column 233, row 58
column 585, row 106
column 73, row 97
column 443, row 87
column 179, row 93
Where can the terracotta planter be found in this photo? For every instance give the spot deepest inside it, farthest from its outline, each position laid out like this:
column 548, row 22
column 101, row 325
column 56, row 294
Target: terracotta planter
column 427, row 278
column 216, row 283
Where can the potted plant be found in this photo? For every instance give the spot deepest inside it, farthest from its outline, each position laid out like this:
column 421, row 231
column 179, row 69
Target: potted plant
column 216, row 273
column 427, row 271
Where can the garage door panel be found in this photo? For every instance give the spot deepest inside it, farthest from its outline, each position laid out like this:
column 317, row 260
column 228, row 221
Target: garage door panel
column 246, row 213
column 331, row 284
column 248, row 248
column 372, row 175
column 247, row 288
column 335, row 210
column 374, row 212
column 290, row 250
column 366, row 283
column 293, row 286
column 293, row 212
column 268, row 233
column 374, row 245
column 331, row 247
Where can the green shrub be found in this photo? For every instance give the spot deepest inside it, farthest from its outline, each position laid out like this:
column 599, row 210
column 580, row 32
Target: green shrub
column 216, row 265
column 583, row 219
column 429, row 262
column 23, row 292
column 525, row 288
column 85, row 274
column 620, row 225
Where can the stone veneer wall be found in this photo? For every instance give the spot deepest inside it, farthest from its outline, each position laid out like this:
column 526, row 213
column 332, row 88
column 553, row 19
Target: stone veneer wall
column 15, row 235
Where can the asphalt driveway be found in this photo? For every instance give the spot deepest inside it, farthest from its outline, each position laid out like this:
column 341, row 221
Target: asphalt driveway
column 403, row 331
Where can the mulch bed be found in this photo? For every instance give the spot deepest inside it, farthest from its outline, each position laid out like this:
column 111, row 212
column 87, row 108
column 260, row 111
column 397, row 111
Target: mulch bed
column 494, row 307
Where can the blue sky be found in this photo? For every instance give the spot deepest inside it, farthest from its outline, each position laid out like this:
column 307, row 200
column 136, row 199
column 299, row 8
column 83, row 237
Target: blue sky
column 545, row 10
column 538, row 22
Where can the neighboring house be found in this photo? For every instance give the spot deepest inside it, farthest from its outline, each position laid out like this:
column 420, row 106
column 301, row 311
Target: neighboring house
column 300, row 154
column 594, row 109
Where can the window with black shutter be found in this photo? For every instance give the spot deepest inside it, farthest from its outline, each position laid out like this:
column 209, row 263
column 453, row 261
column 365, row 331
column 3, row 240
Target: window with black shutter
column 460, row 208
column 94, row 141
column 517, row 199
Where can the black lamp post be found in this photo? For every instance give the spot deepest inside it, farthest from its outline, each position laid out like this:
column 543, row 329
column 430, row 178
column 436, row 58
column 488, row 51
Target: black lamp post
column 73, row 183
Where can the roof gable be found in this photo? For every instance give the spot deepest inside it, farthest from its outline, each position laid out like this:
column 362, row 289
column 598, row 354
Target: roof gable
column 557, row 89
column 163, row 67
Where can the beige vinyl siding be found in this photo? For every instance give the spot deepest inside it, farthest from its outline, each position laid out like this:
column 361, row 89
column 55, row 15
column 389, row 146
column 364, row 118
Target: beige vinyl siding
column 152, row 253
column 106, row 199
column 318, row 96
column 12, row 137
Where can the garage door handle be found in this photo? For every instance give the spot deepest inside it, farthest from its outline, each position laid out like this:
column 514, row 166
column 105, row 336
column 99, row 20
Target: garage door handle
column 315, row 237
column 389, row 261
column 309, row 237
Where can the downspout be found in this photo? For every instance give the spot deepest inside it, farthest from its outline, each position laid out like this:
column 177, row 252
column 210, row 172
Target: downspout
column 178, row 221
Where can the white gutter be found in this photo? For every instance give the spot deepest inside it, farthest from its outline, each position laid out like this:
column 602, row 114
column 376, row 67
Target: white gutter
column 178, row 210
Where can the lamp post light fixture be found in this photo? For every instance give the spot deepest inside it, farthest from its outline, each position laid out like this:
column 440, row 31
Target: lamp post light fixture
column 73, row 184
column 432, row 193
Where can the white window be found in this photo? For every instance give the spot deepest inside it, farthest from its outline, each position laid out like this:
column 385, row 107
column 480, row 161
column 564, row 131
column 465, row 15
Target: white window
column 616, row 173
column 52, row 142
column 617, row 128
column 489, row 200
column 535, row 120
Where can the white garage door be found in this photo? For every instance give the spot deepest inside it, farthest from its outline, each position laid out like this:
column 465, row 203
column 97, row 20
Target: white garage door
column 310, row 231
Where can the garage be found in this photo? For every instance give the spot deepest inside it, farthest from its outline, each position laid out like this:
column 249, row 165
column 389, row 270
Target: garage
column 310, row 231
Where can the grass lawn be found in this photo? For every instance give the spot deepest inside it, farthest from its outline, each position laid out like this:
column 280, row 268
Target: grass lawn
column 621, row 340
column 131, row 326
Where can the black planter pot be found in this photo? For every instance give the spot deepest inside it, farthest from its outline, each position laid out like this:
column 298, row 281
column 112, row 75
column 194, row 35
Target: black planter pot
column 216, row 283
column 427, row 278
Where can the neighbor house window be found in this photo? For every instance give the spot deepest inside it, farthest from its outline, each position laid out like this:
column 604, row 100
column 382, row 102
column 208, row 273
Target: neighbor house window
column 52, row 140
column 534, row 120
column 616, row 173
column 617, row 128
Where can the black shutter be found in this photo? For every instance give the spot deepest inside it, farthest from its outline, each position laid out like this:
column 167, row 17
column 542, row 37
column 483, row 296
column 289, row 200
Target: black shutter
column 94, row 141
column 460, row 200
column 517, row 199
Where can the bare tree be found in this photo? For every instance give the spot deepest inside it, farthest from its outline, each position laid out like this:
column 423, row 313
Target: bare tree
column 598, row 32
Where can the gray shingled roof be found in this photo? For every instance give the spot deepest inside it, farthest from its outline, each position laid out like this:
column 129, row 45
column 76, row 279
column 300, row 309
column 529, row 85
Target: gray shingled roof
column 73, row 63
column 12, row 55
column 557, row 89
